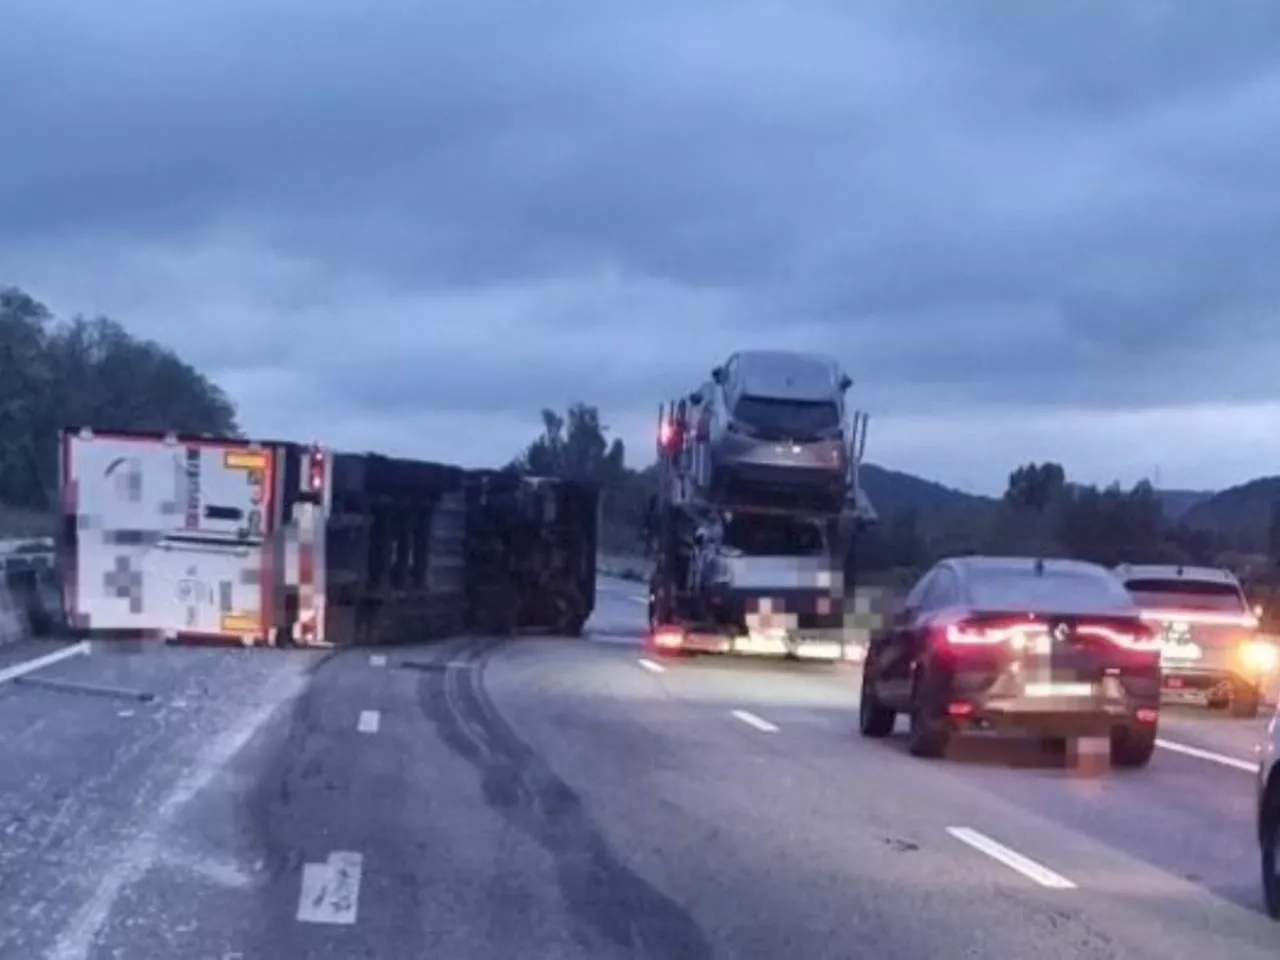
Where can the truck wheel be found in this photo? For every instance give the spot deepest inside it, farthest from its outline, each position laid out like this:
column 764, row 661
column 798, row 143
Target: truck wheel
column 874, row 718
column 1269, row 837
column 1245, row 702
column 929, row 734
column 1132, row 747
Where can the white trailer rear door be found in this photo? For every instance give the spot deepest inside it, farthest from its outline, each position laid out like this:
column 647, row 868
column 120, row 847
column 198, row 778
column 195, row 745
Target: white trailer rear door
column 172, row 535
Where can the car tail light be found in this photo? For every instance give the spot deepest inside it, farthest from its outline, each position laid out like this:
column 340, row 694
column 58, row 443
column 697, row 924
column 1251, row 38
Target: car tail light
column 968, row 633
column 1146, row 714
column 1137, row 637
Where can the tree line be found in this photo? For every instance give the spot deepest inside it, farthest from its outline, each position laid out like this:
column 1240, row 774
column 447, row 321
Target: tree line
column 1041, row 513
column 89, row 371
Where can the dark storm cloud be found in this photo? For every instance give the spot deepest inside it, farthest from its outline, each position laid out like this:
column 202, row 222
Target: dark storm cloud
column 985, row 202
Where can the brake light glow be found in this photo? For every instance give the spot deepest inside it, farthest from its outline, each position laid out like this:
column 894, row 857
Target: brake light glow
column 1259, row 656
column 668, row 638
column 315, row 470
column 666, row 433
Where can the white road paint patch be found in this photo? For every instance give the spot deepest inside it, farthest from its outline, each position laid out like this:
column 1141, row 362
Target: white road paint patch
column 1220, row 758
column 1011, row 858
column 377, row 659
column 79, row 935
column 638, row 599
column 331, row 891
column 369, row 721
column 651, row 666
column 39, row 663
column 751, row 720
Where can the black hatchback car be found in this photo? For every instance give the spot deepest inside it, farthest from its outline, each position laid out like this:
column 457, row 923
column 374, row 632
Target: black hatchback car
column 1054, row 648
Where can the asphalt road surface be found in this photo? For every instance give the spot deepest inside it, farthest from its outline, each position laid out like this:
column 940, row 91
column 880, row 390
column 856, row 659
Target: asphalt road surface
column 487, row 800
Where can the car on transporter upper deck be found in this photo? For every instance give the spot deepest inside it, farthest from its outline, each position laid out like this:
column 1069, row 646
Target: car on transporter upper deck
column 1056, row 648
column 773, row 428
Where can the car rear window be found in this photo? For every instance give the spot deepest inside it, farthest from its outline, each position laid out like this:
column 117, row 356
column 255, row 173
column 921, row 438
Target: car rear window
column 1054, row 591
column 788, row 419
column 1175, row 594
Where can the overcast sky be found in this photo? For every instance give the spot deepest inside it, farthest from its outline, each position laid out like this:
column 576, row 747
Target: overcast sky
column 1029, row 230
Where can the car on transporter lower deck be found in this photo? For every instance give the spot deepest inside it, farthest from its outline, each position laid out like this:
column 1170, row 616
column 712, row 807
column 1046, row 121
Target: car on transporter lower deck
column 1054, row 648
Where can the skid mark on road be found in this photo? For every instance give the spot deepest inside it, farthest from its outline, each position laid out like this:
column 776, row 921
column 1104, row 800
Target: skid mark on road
column 519, row 785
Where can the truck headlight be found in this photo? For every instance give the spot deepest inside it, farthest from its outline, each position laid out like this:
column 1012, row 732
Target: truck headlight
column 1259, row 656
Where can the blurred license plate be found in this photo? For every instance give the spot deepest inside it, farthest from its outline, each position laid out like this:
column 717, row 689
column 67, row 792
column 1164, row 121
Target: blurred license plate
column 1058, row 689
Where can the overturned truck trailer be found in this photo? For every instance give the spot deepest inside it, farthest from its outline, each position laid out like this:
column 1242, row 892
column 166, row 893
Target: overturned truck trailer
column 278, row 543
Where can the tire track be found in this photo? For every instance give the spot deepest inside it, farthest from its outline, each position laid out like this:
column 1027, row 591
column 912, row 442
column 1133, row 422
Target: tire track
column 607, row 898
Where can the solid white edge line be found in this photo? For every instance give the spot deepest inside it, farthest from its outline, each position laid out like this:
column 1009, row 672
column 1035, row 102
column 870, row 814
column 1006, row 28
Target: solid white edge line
column 1011, row 858
column 378, row 660
column 29, row 666
column 651, row 666
column 1174, row 747
column 751, row 720
column 330, row 892
column 369, row 721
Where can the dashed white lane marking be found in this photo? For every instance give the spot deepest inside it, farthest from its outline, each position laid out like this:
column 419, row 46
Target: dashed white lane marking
column 751, row 720
column 1011, row 858
column 331, row 891
column 369, row 721
column 1221, row 758
column 651, row 666
column 378, row 660
column 29, row 666
column 635, row 599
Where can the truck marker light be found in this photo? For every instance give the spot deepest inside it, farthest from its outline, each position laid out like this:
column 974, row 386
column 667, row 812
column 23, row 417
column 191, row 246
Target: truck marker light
column 668, row 637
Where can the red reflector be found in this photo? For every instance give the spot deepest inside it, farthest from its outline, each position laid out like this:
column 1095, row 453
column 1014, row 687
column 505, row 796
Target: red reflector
column 1147, row 714
column 960, row 708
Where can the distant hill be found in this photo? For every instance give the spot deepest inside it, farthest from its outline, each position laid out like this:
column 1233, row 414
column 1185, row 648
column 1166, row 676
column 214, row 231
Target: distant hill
column 1243, row 511
column 894, row 492
column 1176, row 503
